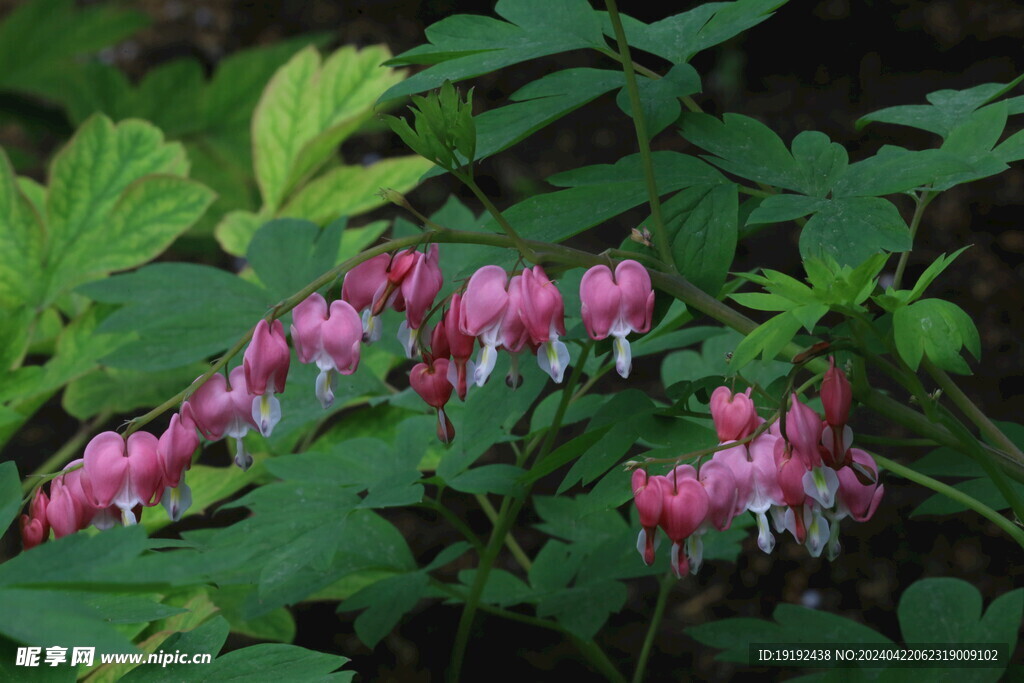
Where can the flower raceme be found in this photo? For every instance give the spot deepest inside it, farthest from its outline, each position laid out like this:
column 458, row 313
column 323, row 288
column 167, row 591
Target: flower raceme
column 761, row 471
column 118, row 477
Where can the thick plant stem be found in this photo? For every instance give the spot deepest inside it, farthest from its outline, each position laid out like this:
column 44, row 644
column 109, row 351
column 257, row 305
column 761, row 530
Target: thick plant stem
column 985, row 511
column 667, row 582
column 643, row 141
column 510, row 508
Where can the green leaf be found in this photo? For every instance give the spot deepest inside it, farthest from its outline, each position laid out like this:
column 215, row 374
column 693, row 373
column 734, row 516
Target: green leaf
column 352, row 190
column 982, row 489
column 21, row 243
column 235, row 231
column 277, row 625
column 56, row 618
column 10, row 493
column 947, row 610
column 288, row 253
column 583, row 610
column 767, row 340
column 274, row 661
column 209, row 486
column 122, row 391
column 307, row 109
column 501, row 479
column 849, row 230
column 937, row 328
column 679, row 37
column 932, row 272
column 180, row 313
column 894, row 169
column 947, row 108
column 785, row 207
column 385, row 603
column 107, row 207
column 702, row 226
column 1011, row 149
column 659, row 98
column 823, row 161
column 463, row 46
column 745, row 147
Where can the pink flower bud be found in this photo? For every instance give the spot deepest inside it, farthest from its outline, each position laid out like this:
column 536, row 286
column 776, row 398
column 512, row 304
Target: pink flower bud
column 419, row 287
column 617, row 305
column 803, row 430
column 219, row 411
column 431, row 383
column 734, row 415
column 648, row 498
column 836, row 395
column 684, row 508
column 34, row 526
column 267, row 359
column 175, row 448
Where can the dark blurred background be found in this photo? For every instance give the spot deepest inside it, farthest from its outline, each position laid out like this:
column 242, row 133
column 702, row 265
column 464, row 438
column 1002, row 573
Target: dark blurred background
column 814, row 65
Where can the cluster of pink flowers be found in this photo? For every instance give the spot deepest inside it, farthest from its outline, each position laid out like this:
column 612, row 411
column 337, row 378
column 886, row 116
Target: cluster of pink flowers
column 117, row 477
column 805, row 475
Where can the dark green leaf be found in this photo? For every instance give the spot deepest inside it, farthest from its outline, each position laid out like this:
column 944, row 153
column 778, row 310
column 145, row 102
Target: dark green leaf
column 501, row 479
column 10, row 493
column 659, row 98
column 385, row 603
column 850, row 230
column 288, row 253
column 702, row 225
column 785, row 207
column 894, row 169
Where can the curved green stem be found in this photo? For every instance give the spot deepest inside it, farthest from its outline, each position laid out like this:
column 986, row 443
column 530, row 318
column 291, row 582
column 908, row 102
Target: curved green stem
column 510, row 508
column 643, row 141
column 985, row 511
column 454, row 520
column 667, row 582
column 922, row 202
column 513, row 545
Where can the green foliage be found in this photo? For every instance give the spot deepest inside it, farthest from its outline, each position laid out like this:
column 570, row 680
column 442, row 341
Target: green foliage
column 938, row 329
column 443, row 129
column 931, row 611
column 33, row 62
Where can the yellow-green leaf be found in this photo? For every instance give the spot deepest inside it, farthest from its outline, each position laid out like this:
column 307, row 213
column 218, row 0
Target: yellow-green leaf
column 351, row 190
column 21, row 242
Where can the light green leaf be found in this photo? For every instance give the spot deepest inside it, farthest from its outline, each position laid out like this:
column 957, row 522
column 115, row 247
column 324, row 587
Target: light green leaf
column 307, row 109
column 352, row 190
column 767, row 340
column 851, row 229
column 106, row 208
column 10, row 493
column 235, row 231
column 21, row 243
column 937, row 328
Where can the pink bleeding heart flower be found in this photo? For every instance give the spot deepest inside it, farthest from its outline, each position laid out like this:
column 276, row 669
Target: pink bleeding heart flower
column 856, row 499
column 175, row 448
column 69, row 509
column 330, row 338
column 419, row 286
column 122, row 475
column 734, row 415
column 430, row 381
column 791, row 469
column 219, row 409
column 34, row 526
column 481, row 315
column 514, row 335
column 648, row 498
column 617, row 305
column 364, row 288
column 803, row 431
column 720, row 484
column 543, row 313
column 439, row 347
column 684, row 508
column 460, row 347
column 266, row 364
